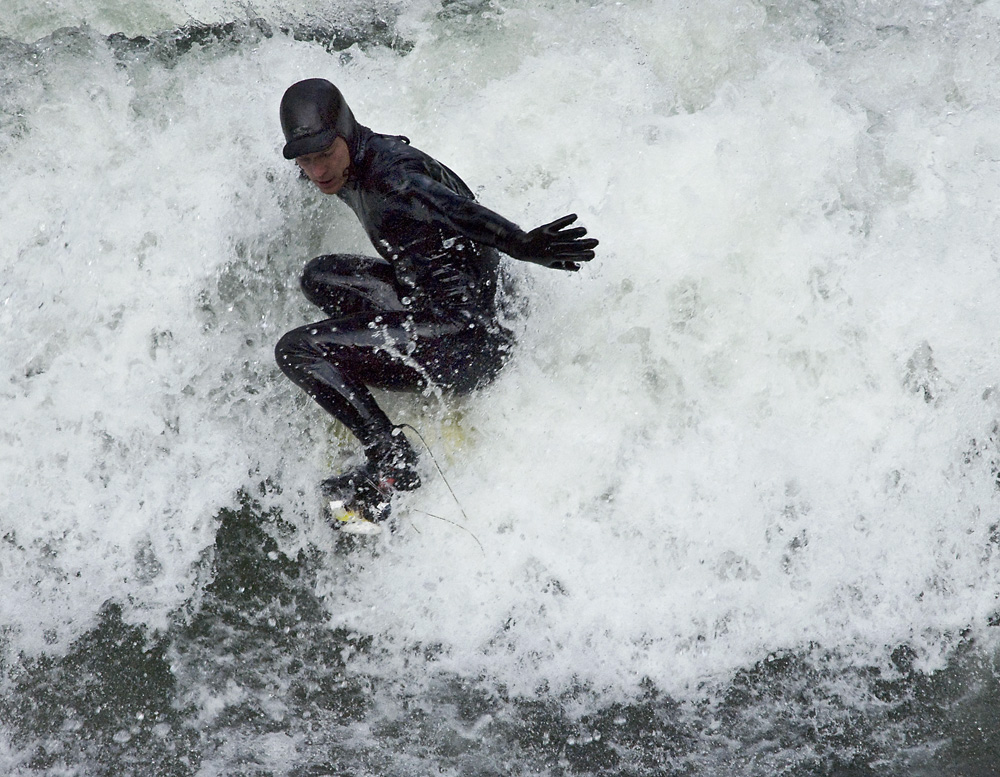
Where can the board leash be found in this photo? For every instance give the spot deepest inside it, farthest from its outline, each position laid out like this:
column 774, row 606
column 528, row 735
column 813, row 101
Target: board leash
column 454, row 496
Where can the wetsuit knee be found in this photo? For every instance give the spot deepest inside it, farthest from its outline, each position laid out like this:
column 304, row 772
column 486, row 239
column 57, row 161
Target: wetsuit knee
column 343, row 284
column 312, row 281
column 289, row 350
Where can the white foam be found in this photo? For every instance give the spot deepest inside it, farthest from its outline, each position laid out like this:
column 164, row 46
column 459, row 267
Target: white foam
column 748, row 426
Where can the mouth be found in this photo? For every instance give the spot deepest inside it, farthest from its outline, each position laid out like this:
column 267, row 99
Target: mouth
column 334, row 181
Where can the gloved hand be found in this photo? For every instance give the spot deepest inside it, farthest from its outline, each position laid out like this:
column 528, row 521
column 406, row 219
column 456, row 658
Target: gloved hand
column 552, row 245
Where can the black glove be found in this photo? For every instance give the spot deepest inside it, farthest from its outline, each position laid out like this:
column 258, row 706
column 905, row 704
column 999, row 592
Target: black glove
column 552, row 245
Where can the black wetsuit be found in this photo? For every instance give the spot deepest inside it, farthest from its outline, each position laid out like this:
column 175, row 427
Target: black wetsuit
column 424, row 313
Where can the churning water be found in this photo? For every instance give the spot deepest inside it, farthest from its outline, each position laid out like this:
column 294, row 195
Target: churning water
column 733, row 509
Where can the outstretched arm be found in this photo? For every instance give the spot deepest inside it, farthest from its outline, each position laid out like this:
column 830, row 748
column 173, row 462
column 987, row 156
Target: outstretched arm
column 550, row 245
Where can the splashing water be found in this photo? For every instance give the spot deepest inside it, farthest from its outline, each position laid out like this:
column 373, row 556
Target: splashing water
column 737, row 493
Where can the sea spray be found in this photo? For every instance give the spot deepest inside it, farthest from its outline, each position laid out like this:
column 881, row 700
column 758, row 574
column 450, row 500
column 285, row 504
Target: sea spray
column 738, row 484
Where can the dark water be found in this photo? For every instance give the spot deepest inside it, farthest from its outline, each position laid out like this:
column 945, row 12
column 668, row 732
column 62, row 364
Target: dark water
column 127, row 701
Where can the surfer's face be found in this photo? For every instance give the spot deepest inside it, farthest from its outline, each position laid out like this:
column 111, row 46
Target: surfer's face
column 328, row 169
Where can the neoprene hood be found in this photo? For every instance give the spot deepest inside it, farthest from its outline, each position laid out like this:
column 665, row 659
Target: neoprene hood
column 313, row 114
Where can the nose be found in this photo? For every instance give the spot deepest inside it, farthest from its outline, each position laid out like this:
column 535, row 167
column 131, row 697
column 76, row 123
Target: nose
column 308, row 167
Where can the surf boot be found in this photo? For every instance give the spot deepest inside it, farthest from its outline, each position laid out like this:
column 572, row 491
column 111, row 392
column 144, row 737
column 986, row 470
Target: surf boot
column 361, row 498
column 395, row 462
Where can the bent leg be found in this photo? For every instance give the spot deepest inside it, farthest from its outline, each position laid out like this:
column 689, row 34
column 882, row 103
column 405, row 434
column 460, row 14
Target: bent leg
column 305, row 355
column 317, row 359
column 371, row 339
column 335, row 361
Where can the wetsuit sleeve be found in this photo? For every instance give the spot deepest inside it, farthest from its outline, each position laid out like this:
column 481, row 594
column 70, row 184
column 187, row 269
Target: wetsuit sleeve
column 461, row 214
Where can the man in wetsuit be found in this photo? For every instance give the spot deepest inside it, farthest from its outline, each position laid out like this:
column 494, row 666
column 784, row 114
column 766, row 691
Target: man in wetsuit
column 426, row 312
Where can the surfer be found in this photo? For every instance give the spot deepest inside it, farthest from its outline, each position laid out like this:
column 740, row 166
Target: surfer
column 426, row 310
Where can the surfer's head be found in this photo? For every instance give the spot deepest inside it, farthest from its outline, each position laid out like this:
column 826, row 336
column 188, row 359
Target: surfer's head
column 319, row 128
column 313, row 113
